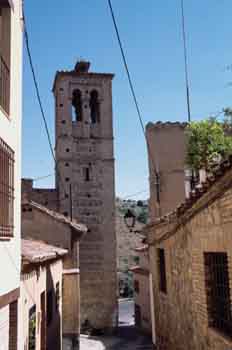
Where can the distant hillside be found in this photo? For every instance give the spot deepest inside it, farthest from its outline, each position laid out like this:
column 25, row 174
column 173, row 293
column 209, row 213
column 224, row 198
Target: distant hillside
column 128, row 239
column 140, row 208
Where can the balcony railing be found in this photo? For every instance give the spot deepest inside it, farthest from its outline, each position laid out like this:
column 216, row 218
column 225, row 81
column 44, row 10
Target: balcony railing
column 4, row 86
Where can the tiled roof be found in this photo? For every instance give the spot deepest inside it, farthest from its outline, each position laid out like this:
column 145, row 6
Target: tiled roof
column 37, row 251
column 160, row 124
column 57, row 216
column 221, row 170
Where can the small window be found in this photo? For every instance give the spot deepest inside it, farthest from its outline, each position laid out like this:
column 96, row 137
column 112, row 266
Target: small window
column 57, row 296
column 77, row 106
column 6, row 190
column 66, row 164
column 136, row 286
column 67, row 179
column 136, row 259
column 162, row 270
column 49, row 307
column 87, row 174
column 67, row 149
column 218, row 292
column 94, row 107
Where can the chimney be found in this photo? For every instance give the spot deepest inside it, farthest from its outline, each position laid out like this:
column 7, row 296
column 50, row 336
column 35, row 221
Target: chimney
column 27, row 187
column 82, row 66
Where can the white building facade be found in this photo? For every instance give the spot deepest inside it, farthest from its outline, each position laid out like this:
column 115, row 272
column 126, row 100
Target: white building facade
column 11, row 27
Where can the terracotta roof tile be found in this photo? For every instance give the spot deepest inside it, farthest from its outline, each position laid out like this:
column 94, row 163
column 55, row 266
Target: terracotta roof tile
column 34, row 251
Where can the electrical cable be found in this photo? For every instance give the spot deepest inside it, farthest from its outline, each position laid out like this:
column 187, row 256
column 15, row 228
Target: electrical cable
column 39, row 99
column 185, row 60
column 153, row 163
column 43, row 177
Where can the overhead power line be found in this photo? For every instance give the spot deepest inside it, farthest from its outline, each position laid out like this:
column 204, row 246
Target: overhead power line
column 135, row 194
column 39, row 99
column 185, row 60
column 153, row 163
column 43, row 177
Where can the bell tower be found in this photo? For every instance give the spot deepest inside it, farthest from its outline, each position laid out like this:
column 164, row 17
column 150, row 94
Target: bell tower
column 85, row 183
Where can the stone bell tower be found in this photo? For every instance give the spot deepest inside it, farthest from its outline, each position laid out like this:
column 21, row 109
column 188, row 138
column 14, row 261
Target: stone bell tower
column 85, row 156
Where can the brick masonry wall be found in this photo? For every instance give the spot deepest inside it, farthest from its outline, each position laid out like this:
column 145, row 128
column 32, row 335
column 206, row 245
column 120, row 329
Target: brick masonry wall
column 181, row 314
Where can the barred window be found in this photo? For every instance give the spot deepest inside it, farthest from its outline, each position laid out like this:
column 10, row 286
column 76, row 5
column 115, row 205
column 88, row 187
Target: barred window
column 162, row 270
column 218, row 292
column 6, row 190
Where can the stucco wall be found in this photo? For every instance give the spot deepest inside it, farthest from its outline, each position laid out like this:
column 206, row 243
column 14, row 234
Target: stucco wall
column 167, row 152
column 37, row 225
column 32, row 285
column 142, row 296
column 10, row 132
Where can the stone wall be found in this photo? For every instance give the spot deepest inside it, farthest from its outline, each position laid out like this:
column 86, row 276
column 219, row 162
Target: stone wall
column 181, row 314
column 46, row 196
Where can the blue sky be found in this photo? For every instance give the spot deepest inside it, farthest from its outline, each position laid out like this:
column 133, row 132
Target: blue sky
column 60, row 32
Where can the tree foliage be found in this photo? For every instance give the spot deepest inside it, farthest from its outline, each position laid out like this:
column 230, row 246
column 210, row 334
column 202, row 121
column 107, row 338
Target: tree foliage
column 207, row 142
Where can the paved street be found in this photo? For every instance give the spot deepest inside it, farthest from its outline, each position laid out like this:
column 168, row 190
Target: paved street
column 127, row 338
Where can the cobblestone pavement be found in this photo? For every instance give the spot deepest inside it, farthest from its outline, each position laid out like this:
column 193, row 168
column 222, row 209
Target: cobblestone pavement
column 128, row 338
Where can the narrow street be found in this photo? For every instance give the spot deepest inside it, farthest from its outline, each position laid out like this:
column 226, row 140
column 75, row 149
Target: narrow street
column 128, row 337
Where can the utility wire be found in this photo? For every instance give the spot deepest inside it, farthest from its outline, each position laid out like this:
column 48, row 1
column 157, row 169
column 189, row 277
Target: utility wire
column 42, row 177
column 185, row 60
column 135, row 194
column 155, row 168
column 39, row 98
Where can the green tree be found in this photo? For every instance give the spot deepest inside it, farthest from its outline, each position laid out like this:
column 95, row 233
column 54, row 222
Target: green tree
column 142, row 217
column 207, row 143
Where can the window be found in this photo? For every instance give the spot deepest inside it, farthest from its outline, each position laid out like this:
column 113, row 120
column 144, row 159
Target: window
column 162, row 270
column 57, row 296
column 5, row 52
column 87, row 174
column 218, row 292
column 136, row 286
column 6, row 190
column 94, row 107
column 76, row 106
column 49, row 307
column 136, row 259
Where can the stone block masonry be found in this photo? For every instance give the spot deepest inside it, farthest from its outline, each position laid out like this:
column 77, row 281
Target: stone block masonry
column 197, row 246
column 84, row 152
